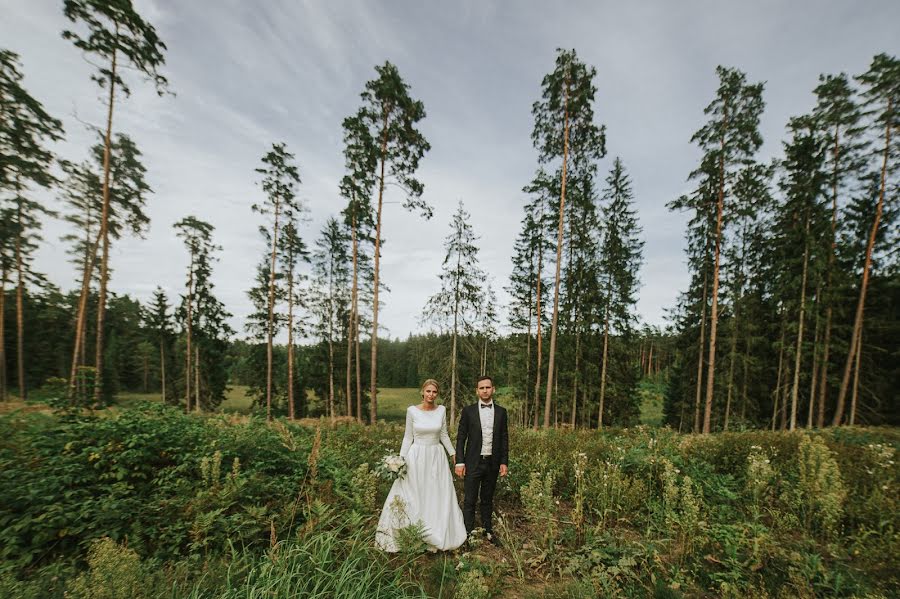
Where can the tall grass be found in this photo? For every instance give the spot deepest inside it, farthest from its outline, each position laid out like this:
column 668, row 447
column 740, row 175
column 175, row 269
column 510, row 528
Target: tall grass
column 338, row 559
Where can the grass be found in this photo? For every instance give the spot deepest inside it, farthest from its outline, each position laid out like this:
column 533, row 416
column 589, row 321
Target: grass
column 652, row 394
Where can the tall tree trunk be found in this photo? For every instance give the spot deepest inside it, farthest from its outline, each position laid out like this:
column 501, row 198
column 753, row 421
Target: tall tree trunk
column 187, row 353
column 814, row 379
column 526, row 411
column 702, row 346
column 373, row 400
column 197, row 378
column 290, row 348
column 575, row 378
column 855, row 393
column 270, row 328
column 331, row 338
column 603, row 365
column 539, row 338
column 777, row 392
column 81, row 319
column 858, row 320
column 104, row 231
column 351, row 322
column 3, row 392
column 714, row 311
column 162, row 369
column 798, row 351
column 20, row 300
column 823, row 371
column 559, row 244
column 358, row 367
column 746, row 364
column 453, row 351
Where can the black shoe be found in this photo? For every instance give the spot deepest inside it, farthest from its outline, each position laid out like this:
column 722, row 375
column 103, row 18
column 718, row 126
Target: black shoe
column 494, row 540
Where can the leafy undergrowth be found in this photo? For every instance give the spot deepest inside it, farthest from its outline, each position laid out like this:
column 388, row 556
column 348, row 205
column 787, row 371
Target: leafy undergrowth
column 149, row 502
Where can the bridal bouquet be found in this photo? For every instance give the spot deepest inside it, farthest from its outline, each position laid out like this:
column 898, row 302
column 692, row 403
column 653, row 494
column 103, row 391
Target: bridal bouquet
column 392, row 467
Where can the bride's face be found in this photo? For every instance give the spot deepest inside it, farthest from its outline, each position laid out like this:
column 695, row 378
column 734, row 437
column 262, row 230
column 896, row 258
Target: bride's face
column 429, row 394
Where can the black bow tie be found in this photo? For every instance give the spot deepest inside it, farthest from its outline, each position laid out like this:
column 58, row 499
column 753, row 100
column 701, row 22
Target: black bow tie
column 487, row 405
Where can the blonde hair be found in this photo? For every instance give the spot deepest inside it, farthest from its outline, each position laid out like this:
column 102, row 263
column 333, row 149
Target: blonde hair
column 429, row 382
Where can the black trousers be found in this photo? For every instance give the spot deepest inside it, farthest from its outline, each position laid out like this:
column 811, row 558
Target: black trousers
column 480, row 483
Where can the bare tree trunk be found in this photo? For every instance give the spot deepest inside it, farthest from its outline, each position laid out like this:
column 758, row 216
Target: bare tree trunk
column 823, row 371
column 373, row 384
column 3, row 391
column 855, row 393
column 777, row 392
column 798, row 352
column 331, row 338
column 858, row 320
column 197, row 379
column 453, row 354
column 290, row 348
column 271, row 320
column 815, row 361
column 104, row 231
column 187, row 353
column 539, row 339
column 351, row 322
column 603, row 366
column 162, row 369
column 746, row 374
column 526, row 411
column 358, row 367
column 575, row 378
column 559, row 244
column 81, row 319
column 700, row 358
column 20, row 300
column 714, row 311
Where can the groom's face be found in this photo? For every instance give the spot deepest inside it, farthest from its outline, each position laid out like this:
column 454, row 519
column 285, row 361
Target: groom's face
column 485, row 390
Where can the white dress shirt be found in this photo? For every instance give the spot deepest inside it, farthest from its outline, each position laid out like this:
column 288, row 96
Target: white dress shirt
column 486, row 414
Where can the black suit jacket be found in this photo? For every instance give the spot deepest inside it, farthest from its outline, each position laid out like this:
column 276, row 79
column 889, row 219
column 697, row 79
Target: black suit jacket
column 468, row 437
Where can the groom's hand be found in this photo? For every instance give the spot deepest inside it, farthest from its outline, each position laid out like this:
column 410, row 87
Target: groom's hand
column 503, row 469
column 460, row 470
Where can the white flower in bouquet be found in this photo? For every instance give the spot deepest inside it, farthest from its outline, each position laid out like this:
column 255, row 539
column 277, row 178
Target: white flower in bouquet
column 392, row 467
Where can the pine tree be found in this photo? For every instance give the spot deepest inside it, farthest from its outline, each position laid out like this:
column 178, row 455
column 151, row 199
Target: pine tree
column 280, row 181
column 882, row 96
column 332, row 280
column 197, row 236
column 564, row 129
column 840, row 119
column 456, row 306
column 802, row 185
column 120, row 38
column 356, row 187
column 390, row 115
column 729, row 141
column 126, row 192
column 25, row 130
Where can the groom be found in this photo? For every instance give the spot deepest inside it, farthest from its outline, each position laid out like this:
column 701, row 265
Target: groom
column 482, row 451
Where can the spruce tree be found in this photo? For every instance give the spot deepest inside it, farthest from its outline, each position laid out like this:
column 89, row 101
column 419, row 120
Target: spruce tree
column 456, row 306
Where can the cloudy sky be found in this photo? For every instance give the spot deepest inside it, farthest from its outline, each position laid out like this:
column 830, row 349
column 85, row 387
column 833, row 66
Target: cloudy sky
column 247, row 74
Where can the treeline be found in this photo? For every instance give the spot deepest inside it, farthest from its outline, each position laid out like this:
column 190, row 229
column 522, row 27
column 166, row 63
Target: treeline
column 791, row 318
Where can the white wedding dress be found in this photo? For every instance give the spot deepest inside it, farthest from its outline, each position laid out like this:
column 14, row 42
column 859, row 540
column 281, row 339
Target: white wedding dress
column 426, row 493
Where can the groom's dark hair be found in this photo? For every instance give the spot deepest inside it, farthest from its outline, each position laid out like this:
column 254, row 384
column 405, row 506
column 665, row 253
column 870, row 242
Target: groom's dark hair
column 485, row 378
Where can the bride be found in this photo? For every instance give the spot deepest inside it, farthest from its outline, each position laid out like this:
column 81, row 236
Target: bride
column 426, row 494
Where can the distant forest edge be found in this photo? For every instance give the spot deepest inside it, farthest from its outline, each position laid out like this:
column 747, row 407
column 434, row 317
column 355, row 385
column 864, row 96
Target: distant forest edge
column 790, row 318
